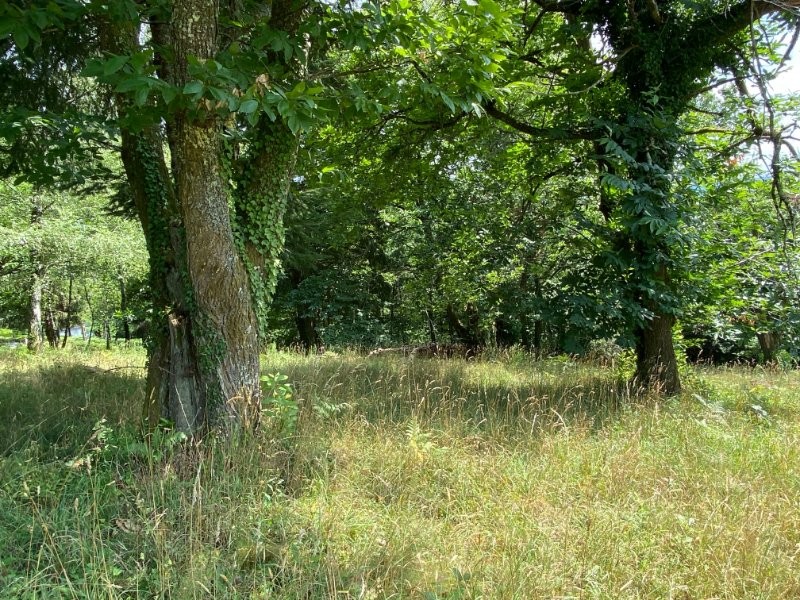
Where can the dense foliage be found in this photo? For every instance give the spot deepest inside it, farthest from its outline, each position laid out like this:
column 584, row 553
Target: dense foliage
column 550, row 174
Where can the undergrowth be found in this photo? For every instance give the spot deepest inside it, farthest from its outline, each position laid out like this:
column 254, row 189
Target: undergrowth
column 398, row 478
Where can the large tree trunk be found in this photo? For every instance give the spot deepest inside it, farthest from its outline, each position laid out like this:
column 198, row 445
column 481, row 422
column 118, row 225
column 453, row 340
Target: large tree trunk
column 656, row 363
column 203, row 346
column 203, row 361
column 218, row 336
column 770, row 343
column 224, row 331
column 171, row 387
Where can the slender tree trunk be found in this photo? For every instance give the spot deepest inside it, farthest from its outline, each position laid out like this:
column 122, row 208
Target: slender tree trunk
column 35, row 321
column 107, row 332
column 310, row 339
column 307, row 333
column 67, row 331
column 88, row 298
column 538, row 325
column 123, row 308
column 430, row 322
column 51, row 328
column 538, row 333
column 35, row 316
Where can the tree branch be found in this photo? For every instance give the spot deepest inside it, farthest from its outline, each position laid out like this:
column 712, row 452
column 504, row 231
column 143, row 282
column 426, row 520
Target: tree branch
column 546, row 133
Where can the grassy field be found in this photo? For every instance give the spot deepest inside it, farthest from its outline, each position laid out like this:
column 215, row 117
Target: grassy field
column 392, row 478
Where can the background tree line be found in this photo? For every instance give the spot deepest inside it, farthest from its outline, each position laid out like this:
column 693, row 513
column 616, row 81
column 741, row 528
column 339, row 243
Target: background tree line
column 67, row 264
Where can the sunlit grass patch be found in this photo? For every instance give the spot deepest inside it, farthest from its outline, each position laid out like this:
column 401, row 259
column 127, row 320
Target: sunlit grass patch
column 403, row 479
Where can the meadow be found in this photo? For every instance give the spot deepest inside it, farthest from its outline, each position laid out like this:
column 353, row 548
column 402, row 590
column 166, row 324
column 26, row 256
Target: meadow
column 388, row 477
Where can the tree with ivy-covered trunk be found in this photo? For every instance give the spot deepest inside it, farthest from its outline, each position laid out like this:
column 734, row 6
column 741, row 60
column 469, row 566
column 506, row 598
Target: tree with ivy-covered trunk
column 213, row 221
column 622, row 103
column 205, row 101
column 188, row 80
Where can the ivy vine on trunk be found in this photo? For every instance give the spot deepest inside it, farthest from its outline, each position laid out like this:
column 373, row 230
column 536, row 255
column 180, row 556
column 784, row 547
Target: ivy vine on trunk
column 214, row 230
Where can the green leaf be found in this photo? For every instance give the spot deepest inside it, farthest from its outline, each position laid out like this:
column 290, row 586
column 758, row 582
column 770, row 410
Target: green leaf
column 446, row 99
column 193, row 88
column 168, row 92
column 132, row 83
column 140, row 98
column 21, row 38
column 114, row 64
column 248, row 106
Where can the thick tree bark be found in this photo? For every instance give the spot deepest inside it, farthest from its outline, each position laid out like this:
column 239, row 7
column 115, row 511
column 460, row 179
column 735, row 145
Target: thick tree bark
column 770, row 342
column 208, row 289
column 202, row 347
column 171, row 386
column 656, row 363
column 221, row 333
column 225, row 329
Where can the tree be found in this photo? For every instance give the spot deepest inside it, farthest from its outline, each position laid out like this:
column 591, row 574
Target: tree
column 227, row 88
column 621, row 104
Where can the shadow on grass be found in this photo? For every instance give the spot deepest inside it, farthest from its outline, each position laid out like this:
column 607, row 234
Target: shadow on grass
column 57, row 402
column 57, row 399
column 478, row 394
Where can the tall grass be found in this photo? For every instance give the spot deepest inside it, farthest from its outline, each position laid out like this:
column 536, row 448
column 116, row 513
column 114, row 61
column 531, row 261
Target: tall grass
column 403, row 479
